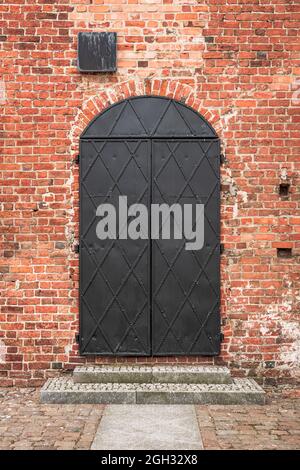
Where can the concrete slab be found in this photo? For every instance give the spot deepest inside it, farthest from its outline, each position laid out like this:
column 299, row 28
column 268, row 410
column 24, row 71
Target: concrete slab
column 148, row 427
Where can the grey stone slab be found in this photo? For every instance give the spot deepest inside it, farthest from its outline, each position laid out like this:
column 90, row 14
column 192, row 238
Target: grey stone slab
column 192, row 376
column 155, row 373
column 112, row 374
column 64, row 390
column 240, row 391
column 148, row 427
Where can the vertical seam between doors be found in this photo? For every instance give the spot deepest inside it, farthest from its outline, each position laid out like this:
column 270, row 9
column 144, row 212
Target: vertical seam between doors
column 150, row 250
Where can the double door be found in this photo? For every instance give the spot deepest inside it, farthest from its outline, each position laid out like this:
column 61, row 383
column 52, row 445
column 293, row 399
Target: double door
column 149, row 296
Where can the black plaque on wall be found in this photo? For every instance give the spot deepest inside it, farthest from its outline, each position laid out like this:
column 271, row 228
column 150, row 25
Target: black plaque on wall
column 97, row 52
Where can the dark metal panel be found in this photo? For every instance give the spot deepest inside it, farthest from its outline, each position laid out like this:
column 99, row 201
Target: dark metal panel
column 185, row 284
column 114, row 274
column 97, row 51
column 117, row 289
column 149, row 116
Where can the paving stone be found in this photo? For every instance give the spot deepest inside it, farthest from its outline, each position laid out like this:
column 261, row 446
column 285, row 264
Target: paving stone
column 232, row 429
column 148, row 427
column 40, row 426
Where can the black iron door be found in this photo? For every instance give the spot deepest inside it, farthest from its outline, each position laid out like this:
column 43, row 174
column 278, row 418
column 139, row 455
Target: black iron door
column 114, row 273
column 185, row 283
column 146, row 297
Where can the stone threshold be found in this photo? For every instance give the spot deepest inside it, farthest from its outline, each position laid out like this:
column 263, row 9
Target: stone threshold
column 152, row 374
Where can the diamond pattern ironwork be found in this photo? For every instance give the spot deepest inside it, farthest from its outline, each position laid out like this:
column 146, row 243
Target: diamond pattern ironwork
column 160, row 195
column 95, row 322
column 142, row 297
column 151, row 116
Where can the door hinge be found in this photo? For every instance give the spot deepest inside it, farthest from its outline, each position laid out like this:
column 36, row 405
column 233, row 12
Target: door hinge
column 77, row 338
column 222, row 248
column 221, row 337
column 222, row 158
column 76, row 160
column 76, row 248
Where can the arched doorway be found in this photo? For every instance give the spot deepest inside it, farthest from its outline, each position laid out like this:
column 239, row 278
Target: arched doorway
column 149, row 296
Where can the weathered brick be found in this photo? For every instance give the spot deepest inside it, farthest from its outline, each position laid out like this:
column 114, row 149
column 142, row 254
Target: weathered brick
column 235, row 65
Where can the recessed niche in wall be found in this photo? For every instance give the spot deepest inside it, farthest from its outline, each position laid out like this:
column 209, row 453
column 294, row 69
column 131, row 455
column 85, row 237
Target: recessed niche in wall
column 284, row 189
column 284, row 252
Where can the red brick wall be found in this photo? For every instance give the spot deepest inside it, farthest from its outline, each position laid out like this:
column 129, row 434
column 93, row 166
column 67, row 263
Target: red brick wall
column 237, row 63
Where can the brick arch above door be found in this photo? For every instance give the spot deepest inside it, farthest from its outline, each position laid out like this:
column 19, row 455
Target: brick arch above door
column 108, row 96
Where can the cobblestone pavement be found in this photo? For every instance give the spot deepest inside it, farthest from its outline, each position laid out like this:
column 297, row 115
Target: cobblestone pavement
column 27, row 424
column 275, row 425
